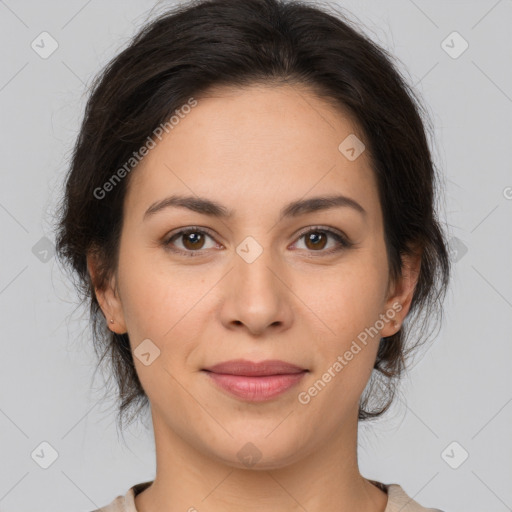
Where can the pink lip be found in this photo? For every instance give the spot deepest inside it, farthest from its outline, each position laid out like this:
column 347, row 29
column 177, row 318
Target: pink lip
column 255, row 382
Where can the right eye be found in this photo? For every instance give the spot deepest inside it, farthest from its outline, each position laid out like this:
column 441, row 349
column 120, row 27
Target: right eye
column 192, row 240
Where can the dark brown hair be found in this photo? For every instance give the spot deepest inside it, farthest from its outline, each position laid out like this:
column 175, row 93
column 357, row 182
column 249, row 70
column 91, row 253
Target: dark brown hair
column 195, row 46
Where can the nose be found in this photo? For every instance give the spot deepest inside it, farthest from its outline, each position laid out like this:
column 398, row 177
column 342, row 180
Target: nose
column 256, row 297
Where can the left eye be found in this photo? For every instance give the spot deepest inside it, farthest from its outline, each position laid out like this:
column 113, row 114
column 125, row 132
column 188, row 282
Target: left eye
column 316, row 240
column 193, row 240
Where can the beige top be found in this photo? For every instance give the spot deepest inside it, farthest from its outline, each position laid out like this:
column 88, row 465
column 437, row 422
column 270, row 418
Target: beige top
column 398, row 501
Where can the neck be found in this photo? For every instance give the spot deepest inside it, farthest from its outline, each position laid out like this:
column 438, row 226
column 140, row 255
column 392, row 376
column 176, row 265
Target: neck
column 327, row 478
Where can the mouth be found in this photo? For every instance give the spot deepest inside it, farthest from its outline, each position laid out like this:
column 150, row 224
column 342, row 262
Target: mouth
column 246, row 368
column 255, row 381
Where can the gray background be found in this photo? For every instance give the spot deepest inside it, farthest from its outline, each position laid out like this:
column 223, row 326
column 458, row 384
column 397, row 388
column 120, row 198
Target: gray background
column 458, row 391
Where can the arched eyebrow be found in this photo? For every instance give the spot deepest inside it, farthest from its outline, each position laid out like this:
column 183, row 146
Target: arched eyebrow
column 212, row 208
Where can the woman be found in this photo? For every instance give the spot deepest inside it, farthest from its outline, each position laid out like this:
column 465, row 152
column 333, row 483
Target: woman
column 250, row 211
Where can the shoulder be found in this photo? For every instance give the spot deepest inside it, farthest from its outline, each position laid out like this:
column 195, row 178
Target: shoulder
column 125, row 502
column 118, row 505
column 399, row 500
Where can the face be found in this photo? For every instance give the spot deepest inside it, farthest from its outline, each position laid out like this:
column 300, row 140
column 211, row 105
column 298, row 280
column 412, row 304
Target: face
column 304, row 285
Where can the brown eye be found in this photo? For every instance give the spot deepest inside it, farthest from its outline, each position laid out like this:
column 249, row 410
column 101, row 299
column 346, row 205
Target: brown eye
column 189, row 241
column 193, row 240
column 315, row 240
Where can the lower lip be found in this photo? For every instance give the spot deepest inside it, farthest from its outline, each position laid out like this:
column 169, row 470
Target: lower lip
column 256, row 389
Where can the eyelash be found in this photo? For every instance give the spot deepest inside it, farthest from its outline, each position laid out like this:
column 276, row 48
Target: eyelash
column 343, row 242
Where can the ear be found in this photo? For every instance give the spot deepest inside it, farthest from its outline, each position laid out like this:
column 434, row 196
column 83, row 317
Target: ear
column 107, row 296
column 400, row 297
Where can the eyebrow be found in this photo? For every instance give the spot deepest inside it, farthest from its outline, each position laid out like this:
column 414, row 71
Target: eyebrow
column 214, row 209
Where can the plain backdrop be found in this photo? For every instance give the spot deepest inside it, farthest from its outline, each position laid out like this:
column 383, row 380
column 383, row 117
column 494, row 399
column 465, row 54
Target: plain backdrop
column 447, row 440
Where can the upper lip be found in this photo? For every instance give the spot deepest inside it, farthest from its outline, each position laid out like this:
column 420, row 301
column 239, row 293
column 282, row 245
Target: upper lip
column 255, row 369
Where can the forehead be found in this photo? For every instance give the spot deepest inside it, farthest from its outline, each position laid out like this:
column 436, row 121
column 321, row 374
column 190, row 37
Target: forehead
column 258, row 145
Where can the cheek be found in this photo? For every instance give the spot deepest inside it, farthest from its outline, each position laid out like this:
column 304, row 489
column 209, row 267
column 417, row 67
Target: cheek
column 156, row 295
column 349, row 307
column 348, row 300
column 165, row 304
column 345, row 349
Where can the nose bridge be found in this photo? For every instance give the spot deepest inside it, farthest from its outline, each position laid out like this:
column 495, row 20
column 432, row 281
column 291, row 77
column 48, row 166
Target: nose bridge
column 254, row 296
column 254, row 270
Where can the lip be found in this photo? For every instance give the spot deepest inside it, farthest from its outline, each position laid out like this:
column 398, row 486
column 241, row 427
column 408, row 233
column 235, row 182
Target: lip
column 255, row 381
column 255, row 369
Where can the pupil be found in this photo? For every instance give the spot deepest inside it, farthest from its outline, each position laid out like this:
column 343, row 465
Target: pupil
column 193, row 238
column 315, row 238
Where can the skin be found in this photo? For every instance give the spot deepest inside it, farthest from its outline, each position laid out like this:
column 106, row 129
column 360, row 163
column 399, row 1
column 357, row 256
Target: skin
column 254, row 150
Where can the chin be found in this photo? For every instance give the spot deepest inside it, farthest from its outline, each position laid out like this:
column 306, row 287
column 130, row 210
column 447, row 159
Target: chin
column 259, row 452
